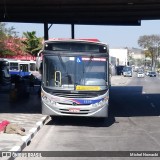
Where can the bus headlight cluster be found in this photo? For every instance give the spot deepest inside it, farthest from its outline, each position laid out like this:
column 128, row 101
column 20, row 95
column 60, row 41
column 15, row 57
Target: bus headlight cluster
column 101, row 103
column 48, row 101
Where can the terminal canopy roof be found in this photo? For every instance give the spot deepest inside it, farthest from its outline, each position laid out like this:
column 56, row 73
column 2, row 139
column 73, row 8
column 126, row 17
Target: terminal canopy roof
column 118, row 12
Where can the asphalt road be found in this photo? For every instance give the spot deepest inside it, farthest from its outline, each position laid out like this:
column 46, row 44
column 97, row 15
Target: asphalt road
column 133, row 125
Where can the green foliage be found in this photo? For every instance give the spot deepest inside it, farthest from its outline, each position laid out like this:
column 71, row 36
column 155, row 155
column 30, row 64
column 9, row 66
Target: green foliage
column 151, row 46
column 5, row 35
column 150, row 43
column 8, row 52
column 32, row 43
column 2, row 37
column 5, row 32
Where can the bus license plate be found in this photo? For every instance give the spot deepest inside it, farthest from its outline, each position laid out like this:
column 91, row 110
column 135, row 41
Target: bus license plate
column 74, row 110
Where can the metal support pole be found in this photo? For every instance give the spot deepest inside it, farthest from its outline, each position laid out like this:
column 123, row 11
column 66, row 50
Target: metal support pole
column 72, row 30
column 45, row 31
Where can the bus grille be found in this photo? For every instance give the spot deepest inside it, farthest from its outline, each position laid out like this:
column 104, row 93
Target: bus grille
column 66, row 111
column 79, row 95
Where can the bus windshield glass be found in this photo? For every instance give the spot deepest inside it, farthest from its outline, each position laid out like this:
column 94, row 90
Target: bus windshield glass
column 127, row 68
column 63, row 72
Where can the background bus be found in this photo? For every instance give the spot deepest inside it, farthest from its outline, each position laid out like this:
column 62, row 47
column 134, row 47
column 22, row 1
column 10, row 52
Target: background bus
column 119, row 69
column 21, row 68
column 75, row 78
column 127, row 71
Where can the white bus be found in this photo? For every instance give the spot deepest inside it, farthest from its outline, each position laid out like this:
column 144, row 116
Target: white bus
column 21, row 67
column 75, row 78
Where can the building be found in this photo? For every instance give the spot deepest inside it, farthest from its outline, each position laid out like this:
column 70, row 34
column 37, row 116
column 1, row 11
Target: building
column 137, row 57
column 121, row 55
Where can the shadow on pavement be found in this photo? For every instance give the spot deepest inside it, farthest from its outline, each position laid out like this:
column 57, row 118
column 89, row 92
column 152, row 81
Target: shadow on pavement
column 130, row 101
column 82, row 121
column 30, row 104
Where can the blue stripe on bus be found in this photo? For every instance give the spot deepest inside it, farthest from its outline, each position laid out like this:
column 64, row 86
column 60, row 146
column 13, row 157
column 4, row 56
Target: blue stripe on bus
column 79, row 101
column 19, row 73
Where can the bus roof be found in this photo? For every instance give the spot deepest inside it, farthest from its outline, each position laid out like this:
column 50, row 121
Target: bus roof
column 17, row 60
column 92, row 40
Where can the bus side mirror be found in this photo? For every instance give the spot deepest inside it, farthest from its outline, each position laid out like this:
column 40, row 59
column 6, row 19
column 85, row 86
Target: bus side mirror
column 38, row 60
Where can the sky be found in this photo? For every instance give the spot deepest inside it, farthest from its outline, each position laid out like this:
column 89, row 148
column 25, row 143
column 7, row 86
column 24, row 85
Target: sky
column 114, row 36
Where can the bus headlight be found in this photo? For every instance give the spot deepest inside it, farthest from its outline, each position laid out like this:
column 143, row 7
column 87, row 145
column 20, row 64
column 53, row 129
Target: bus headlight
column 101, row 103
column 48, row 101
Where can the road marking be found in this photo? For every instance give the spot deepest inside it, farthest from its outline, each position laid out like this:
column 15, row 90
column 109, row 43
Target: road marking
column 26, row 139
column 143, row 92
column 152, row 105
column 33, row 130
column 16, row 148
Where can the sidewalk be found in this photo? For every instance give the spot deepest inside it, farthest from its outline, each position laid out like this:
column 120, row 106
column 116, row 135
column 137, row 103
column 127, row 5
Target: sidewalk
column 32, row 124
column 27, row 113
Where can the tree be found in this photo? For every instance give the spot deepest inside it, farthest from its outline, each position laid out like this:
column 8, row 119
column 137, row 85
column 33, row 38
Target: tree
column 151, row 46
column 32, row 43
column 8, row 41
column 2, row 37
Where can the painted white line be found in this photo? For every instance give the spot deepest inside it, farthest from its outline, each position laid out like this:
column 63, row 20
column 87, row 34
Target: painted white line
column 152, row 105
column 26, row 139
column 16, row 148
column 144, row 92
column 43, row 118
column 33, row 130
column 39, row 123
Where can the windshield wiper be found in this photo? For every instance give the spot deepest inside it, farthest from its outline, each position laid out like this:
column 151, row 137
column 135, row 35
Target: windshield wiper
column 89, row 62
column 64, row 67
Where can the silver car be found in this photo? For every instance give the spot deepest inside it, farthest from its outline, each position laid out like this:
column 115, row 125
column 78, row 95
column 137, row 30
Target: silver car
column 140, row 74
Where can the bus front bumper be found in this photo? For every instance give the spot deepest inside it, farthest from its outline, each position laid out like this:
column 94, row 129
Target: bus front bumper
column 82, row 111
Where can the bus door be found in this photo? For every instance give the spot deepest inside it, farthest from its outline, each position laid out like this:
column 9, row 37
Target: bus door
column 24, row 69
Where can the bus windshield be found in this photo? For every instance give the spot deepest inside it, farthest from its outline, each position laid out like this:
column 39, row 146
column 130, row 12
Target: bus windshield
column 63, row 72
column 127, row 68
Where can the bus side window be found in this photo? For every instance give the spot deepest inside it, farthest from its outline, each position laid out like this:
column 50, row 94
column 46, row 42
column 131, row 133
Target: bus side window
column 21, row 68
column 13, row 66
column 32, row 66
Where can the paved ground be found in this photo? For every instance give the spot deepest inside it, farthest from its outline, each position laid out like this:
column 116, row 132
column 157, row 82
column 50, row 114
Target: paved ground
column 27, row 113
column 119, row 80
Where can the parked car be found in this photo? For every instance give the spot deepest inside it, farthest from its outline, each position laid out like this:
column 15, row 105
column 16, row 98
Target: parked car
column 152, row 74
column 140, row 74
